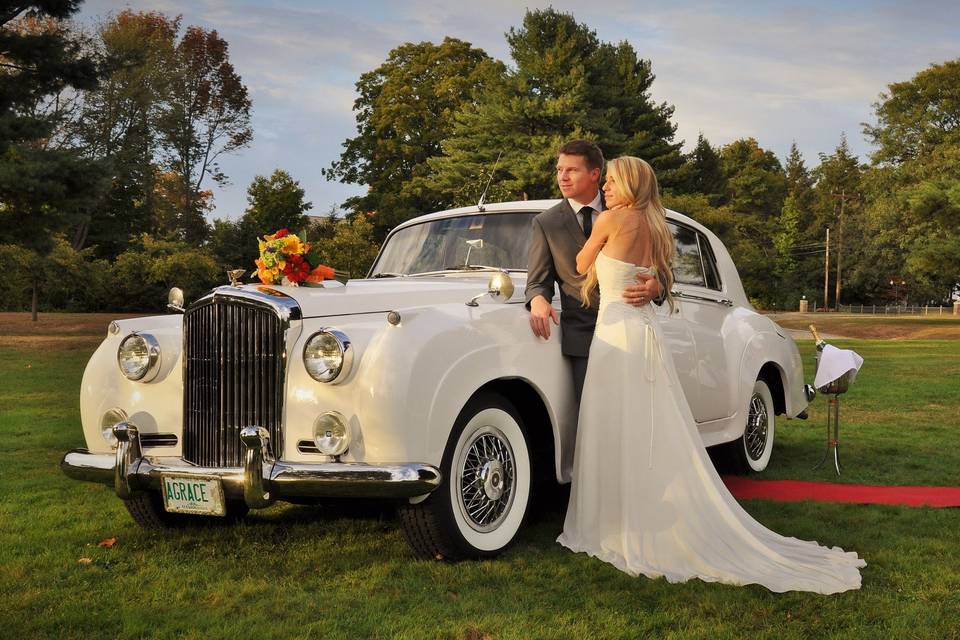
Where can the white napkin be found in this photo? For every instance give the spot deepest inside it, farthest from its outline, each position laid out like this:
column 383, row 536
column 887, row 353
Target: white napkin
column 834, row 363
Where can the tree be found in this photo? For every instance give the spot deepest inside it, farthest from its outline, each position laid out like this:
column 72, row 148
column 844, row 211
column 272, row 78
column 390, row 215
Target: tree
column 352, row 247
column 42, row 190
column 205, row 114
column 117, row 124
column 838, row 205
column 917, row 116
column 404, row 110
column 913, row 185
column 756, row 190
column 273, row 203
column 702, row 173
column 798, row 249
column 566, row 84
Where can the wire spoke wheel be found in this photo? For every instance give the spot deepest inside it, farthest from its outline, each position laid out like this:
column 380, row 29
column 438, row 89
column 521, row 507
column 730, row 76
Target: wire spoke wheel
column 486, row 476
column 755, row 436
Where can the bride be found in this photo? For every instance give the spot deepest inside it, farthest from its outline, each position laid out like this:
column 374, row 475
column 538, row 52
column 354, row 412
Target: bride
column 645, row 496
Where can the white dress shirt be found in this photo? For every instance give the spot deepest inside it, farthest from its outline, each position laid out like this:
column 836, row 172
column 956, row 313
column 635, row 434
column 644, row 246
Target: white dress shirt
column 576, row 206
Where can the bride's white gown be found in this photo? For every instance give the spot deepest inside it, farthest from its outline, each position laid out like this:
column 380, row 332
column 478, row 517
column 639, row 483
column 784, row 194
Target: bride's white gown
column 645, row 496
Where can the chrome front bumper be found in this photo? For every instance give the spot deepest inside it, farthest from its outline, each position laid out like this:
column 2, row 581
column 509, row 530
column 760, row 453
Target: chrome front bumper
column 261, row 480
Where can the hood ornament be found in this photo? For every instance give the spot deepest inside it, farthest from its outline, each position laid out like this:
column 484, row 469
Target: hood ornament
column 235, row 275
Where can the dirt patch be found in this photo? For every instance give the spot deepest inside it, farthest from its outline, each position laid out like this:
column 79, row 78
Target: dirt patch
column 874, row 327
column 57, row 325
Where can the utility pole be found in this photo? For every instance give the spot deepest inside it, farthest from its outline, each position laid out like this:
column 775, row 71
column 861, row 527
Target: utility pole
column 843, row 199
column 826, row 275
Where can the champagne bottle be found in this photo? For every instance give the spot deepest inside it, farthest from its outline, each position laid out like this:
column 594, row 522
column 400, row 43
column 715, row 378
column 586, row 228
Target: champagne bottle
column 816, row 336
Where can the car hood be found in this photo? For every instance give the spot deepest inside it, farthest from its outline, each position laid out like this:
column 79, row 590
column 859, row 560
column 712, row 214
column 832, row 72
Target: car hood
column 385, row 294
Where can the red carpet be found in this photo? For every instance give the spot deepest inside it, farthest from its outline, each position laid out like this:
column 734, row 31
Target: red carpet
column 795, row 491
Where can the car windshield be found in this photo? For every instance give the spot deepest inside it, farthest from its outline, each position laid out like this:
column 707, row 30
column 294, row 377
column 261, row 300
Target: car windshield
column 497, row 240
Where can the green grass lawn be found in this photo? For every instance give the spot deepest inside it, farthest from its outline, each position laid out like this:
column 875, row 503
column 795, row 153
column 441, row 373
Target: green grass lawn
column 337, row 572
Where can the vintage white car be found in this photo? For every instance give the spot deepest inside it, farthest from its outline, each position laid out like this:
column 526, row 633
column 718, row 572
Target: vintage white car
column 421, row 383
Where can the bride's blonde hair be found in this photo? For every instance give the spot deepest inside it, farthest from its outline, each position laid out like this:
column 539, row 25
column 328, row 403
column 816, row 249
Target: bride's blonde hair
column 635, row 183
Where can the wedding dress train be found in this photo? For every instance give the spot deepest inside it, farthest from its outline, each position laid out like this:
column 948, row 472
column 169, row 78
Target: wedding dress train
column 645, row 496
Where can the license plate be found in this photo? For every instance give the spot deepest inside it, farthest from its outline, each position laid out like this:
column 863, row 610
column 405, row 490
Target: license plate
column 191, row 494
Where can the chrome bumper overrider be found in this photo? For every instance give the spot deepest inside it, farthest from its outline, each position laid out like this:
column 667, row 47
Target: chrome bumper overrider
column 259, row 482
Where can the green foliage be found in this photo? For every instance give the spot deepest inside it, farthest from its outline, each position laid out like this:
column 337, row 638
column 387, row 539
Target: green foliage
column 17, row 281
column 43, row 190
column 917, row 116
column 404, row 110
column 914, row 183
column 703, row 173
column 117, row 123
column 141, row 276
column 566, row 84
column 351, row 247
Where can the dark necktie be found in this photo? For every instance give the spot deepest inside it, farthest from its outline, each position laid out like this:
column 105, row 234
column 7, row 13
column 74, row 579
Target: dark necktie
column 587, row 214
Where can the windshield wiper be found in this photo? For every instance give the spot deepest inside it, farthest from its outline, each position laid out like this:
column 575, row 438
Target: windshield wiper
column 388, row 274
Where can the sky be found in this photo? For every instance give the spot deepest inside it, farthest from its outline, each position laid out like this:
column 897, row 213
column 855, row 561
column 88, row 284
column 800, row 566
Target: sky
column 777, row 71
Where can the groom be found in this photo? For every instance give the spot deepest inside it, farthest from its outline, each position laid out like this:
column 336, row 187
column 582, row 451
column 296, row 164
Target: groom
column 558, row 235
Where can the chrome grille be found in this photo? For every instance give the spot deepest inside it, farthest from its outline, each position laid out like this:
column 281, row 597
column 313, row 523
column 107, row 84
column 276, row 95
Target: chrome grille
column 233, row 378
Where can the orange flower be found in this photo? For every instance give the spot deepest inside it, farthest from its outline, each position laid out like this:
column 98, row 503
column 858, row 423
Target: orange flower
column 320, row 274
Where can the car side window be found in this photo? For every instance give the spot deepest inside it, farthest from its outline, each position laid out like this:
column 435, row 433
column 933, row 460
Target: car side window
column 709, row 263
column 687, row 266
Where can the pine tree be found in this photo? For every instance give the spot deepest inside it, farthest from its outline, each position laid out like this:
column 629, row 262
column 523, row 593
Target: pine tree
column 565, row 84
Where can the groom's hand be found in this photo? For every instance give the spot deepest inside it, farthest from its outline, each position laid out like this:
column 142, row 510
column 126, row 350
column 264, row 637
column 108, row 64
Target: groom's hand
column 541, row 312
column 646, row 289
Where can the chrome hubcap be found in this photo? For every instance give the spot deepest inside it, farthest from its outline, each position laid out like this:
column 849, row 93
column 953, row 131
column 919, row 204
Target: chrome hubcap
column 755, row 435
column 487, row 479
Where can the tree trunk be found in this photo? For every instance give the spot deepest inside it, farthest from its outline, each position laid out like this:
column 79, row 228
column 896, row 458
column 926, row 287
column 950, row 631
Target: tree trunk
column 33, row 304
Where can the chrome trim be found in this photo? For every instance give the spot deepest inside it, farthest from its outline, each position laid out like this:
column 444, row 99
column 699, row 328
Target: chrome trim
column 153, row 353
column 487, row 479
column 175, row 300
column 158, row 440
column 328, row 445
column 222, row 396
column 127, row 459
column 346, row 351
column 285, row 306
column 691, row 296
column 755, row 433
column 283, row 480
column 256, row 440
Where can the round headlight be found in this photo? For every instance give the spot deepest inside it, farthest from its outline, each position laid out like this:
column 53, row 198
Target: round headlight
column 328, row 356
column 331, row 434
column 110, row 419
column 139, row 357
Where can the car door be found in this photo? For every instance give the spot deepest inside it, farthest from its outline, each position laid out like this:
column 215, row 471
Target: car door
column 699, row 293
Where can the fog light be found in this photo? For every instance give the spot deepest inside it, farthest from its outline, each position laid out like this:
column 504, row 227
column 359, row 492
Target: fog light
column 331, row 433
column 110, row 418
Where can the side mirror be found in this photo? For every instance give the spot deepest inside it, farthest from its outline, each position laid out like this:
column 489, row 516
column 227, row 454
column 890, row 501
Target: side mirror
column 175, row 300
column 500, row 288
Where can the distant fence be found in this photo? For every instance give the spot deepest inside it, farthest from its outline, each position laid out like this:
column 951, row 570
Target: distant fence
column 894, row 310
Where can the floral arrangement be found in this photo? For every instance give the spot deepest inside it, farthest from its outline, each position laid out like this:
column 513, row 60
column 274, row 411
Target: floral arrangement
column 285, row 259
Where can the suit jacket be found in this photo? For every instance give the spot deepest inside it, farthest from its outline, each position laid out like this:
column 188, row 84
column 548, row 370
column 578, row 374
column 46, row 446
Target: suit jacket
column 555, row 241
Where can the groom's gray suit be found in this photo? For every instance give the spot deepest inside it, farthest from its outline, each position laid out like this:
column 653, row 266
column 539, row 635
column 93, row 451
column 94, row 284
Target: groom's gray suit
column 555, row 241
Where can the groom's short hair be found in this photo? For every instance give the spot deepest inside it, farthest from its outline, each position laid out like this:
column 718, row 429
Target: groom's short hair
column 589, row 150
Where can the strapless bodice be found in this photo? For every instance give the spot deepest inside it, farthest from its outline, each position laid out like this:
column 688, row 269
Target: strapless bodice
column 615, row 275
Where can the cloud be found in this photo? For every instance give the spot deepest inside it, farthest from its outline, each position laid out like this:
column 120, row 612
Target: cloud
column 777, row 71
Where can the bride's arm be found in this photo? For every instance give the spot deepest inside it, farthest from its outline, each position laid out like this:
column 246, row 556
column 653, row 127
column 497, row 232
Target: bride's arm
column 598, row 238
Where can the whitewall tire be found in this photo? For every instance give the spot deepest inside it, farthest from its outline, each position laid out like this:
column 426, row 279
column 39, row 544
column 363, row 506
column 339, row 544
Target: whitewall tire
column 754, row 448
column 482, row 501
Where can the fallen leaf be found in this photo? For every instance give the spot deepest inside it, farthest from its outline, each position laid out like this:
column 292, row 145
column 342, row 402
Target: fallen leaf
column 109, row 542
column 85, row 561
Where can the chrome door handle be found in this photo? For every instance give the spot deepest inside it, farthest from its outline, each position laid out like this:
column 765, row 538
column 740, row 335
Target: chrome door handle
column 689, row 296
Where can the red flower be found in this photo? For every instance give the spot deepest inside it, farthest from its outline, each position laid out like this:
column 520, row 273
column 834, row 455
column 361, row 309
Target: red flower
column 296, row 269
column 281, row 233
